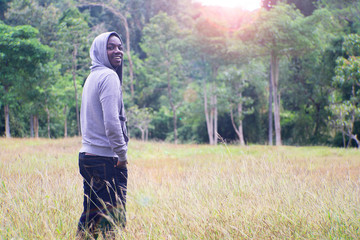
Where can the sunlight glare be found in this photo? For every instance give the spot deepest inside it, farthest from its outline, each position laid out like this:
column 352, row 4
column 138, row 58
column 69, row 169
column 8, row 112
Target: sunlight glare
column 244, row 4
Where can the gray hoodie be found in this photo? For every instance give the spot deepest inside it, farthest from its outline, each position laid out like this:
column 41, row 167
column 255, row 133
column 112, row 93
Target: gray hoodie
column 102, row 109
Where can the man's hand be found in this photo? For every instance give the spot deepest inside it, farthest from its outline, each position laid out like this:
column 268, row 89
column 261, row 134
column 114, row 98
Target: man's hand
column 121, row 164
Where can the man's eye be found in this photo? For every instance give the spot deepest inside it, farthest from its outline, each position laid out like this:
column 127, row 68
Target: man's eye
column 110, row 48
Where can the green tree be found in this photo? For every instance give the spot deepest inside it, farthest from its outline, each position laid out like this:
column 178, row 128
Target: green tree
column 346, row 106
column 210, row 46
column 306, row 83
column 37, row 93
column 163, row 42
column 63, row 94
column 236, row 84
column 47, row 74
column 346, row 11
column 73, row 41
column 20, row 53
column 279, row 32
column 140, row 118
column 30, row 12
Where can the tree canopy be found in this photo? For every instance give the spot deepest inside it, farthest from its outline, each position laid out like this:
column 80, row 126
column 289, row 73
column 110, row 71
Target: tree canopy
column 192, row 73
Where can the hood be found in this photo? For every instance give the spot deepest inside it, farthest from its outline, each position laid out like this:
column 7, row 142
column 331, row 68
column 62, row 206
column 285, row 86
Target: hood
column 98, row 54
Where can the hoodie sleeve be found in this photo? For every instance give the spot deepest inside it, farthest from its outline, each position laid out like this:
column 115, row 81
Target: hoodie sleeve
column 110, row 99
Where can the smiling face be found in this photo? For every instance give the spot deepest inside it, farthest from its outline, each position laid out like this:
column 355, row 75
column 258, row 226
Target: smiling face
column 115, row 52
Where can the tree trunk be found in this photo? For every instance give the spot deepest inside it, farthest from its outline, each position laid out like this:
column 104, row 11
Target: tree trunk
column 74, row 67
column 207, row 117
column 48, row 120
column 36, row 126
column 276, row 98
column 31, row 126
column 212, row 115
column 65, row 121
column 215, row 118
column 128, row 53
column 240, row 129
column 349, row 142
column 175, row 127
column 214, row 93
column 270, row 136
column 7, row 121
column 350, row 130
column 317, row 121
column 356, row 140
column 142, row 134
column 212, row 111
column 350, row 127
column 173, row 107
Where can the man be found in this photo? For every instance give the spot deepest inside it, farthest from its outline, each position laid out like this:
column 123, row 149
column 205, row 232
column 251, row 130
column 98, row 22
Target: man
column 103, row 155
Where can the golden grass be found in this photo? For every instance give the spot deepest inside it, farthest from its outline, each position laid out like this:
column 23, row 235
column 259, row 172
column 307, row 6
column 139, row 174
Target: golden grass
column 187, row 191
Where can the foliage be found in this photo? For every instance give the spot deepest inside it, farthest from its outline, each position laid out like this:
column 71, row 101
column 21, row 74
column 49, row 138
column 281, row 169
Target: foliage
column 235, row 84
column 179, row 53
column 345, row 106
column 20, row 53
column 141, row 119
column 163, row 44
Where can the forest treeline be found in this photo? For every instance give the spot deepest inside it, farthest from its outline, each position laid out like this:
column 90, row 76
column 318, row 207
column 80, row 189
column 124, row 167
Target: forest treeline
column 288, row 73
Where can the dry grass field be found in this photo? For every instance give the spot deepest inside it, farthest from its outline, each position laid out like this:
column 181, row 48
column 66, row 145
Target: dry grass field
column 187, row 191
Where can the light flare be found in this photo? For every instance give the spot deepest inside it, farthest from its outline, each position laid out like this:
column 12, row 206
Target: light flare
column 244, row 4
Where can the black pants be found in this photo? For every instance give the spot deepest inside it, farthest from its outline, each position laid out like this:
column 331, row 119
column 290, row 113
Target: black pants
column 104, row 195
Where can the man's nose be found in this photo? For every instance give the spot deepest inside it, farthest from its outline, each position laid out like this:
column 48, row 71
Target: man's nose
column 119, row 51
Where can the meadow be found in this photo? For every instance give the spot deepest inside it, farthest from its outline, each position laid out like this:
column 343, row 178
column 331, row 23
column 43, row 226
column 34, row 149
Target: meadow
column 187, row 191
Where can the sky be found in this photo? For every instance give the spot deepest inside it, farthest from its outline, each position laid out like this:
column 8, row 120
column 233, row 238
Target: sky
column 245, row 4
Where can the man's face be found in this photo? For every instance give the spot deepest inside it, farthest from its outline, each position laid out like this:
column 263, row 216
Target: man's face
column 115, row 51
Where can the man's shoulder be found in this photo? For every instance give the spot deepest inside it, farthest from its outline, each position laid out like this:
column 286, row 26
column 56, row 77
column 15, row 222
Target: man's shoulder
column 104, row 71
column 102, row 75
column 107, row 79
